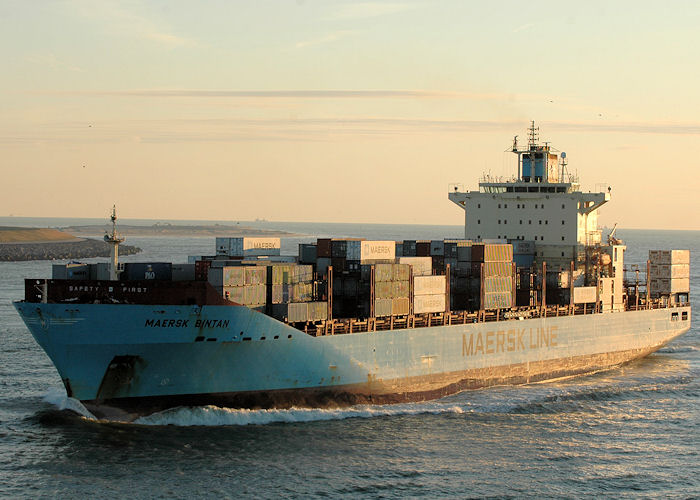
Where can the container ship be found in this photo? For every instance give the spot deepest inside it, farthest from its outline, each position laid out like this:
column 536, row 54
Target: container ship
column 532, row 293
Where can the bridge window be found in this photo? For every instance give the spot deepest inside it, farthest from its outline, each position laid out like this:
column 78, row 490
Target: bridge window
column 505, row 221
column 499, row 205
column 535, row 205
column 505, row 206
column 532, row 190
column 546, row 222
column 684, row 315
column 529, row 222
column 563, row 222
column 562, row 238
column 521, row 222
column 563, row 206
column 478, row 221
column 535, row 238
column 540, row 223
column 499, row 221
column 478, row 205
column 561, row 190
column 674, row 316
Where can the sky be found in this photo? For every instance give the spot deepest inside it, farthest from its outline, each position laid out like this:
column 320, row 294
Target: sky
column 340, row 111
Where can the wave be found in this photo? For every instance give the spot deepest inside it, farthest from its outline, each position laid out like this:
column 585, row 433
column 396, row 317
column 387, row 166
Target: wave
column 216, row 416
column 670, row 349
column 60, row 400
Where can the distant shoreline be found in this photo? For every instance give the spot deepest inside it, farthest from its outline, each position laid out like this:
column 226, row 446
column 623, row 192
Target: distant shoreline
column 166, row 229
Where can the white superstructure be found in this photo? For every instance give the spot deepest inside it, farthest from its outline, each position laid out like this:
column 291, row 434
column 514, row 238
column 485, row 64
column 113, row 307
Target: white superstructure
column 543, row 203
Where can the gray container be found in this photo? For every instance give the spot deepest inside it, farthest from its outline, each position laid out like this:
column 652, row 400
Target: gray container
column 59, row 272
column 437, row 248
column 297, row 312
column 100, row 271
column 464, row 254
column 383, row 307
column 183, row 272
column 307, row 253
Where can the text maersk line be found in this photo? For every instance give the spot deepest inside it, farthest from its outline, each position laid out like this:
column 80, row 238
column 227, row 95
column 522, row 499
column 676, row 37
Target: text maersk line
column 512, row 340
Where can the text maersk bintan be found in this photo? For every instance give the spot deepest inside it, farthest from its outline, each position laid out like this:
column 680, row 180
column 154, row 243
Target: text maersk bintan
column 494, row 342
column 184, row 323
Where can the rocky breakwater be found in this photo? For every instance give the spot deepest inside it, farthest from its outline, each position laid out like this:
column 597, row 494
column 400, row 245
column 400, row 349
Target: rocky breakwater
column 19, row 244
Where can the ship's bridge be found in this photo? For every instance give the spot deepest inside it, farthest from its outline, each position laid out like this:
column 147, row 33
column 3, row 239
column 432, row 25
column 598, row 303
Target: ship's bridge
column 544, row 203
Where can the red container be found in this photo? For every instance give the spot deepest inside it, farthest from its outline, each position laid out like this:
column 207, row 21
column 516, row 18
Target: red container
column 422, row 248
column 201, row 270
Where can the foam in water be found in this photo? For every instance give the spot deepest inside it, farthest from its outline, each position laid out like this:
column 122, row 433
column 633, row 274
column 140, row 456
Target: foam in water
column 60, row 400
column 215, row 416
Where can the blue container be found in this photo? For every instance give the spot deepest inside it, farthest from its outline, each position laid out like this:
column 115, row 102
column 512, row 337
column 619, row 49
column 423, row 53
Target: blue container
column 136, row 271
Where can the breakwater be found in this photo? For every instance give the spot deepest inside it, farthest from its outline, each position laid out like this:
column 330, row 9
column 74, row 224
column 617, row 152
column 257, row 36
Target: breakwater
column 81, row 249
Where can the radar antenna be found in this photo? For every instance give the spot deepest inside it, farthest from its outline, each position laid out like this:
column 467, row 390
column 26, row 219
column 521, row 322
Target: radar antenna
column 534, row 134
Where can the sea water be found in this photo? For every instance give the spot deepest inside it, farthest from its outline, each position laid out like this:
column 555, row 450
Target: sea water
column 628, row 432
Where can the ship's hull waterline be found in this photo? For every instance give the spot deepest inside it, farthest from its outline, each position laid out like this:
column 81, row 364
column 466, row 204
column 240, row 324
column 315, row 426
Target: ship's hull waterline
column 123, row 361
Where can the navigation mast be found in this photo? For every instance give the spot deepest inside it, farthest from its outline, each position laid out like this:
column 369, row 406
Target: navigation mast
column 114, row 239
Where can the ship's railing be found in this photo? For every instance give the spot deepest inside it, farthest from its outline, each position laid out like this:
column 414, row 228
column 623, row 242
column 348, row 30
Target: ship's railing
column 349, row 325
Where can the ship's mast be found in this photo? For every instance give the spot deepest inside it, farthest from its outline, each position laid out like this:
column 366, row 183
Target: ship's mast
column 114, row 239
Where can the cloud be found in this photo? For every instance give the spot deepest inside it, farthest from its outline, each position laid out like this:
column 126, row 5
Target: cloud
column 51, row 61
column 119, row 20
column 363, row 10
column 331, row 37
column 523, row 27
column 303, row 94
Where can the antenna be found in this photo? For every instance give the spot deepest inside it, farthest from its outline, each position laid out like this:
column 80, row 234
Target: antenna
column 534, row 134
column 114, row 239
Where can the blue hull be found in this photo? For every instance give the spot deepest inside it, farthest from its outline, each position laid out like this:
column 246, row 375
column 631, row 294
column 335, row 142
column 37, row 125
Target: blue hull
column 141, row 358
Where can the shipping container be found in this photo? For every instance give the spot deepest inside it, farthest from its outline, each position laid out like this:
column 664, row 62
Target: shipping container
column 322, row 264
column 147, row 271
column 227, row 276
column 668, row 285
column 247, row 246
column 323, row 248
column 317, row 311
column 522, row 247
column 366, row 250
column 584, row 294
column 421, row 266
column 383, row 307
column 498, row 284
column 498, row 300
column 422, row 248
column 523, row 260
column 492, row 252
column 400, row 306
column 399, row 249
column 666, row 271
column 59, row 272
column 429, row 285
column 100, row 271
column 201, row 270
column 183, row 272
column 492, row 268
column 307, row 253
column 409, row 248
column 464, row 253
column 437, row 247
column 429, row 303
column 669, row 256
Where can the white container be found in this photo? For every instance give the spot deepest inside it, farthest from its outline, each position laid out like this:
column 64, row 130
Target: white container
column 247, row 247
column 421, row 266
column 370, row 250
column 666, row 271
column 667, row 285
column 429, row 303
column 428, row 285
column 669, row 256
column 584, row 294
